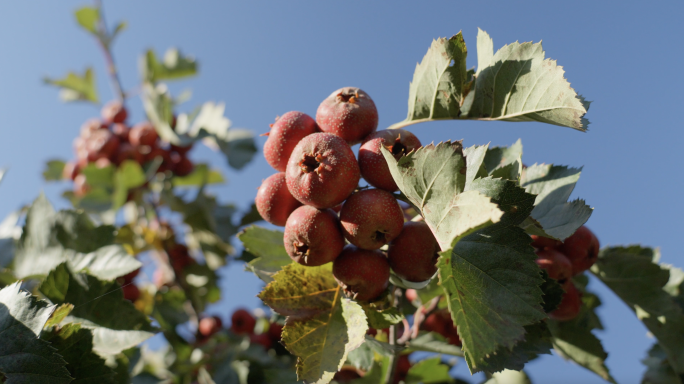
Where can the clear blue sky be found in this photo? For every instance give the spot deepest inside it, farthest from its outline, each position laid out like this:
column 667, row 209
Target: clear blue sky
column 266, row 58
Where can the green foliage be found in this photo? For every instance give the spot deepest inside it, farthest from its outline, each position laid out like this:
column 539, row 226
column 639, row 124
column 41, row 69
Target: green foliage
column 174, row 66
column 514, row 84
column 23, row 356
column 433, row 342
column 89, row 19
column 537, row 342
column 267, row 246
column 53, row 170
column 75, row 87
column 99, row 306
column 509, row 377
column 10, row 232
column 659, row 370
column 322, row 327
column 200, row 176
column 429, row 371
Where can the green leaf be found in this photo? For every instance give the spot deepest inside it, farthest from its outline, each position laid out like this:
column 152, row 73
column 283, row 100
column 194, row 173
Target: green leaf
column 51, row 238
column 10, row 232
column 537, row 341
column 519, row 84
column 439, row 82
column 200, row 176
column 88, row 18
column 499, row 157
column 553, row 293
column 361, row 357
column 490, row 277
column 59, row 314
column 24, row 358
column 433, row 342
column 76, row 87
column 53, row 170
column 429, row 371
column 268, row 246
column 128, row 175
column 633, row 274
column 658, row 369
column 100, row 307
column 553, row 185
column 381, row 319
column 433, row 179
column 509, row 377
column 75, row 345
column 322, row 327
column 174, row 66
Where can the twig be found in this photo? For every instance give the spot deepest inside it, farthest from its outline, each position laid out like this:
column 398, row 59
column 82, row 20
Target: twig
column 109, row 59
column 394, row 357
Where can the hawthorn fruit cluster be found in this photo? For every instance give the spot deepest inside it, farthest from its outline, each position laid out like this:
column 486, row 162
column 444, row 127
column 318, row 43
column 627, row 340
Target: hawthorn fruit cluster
column 109, row 141
column 316, row 196
column 562, row 261
column 242, row 323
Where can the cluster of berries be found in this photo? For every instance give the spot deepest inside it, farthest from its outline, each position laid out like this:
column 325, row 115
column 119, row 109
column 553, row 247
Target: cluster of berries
column 316, row 196
column 242, row 323
column 563, row 260
column 110, row 141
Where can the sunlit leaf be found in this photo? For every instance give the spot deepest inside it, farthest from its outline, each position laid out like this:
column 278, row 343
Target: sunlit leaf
column 77, row 87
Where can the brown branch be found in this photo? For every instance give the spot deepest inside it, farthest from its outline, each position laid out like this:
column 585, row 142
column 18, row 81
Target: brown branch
column 107, row 53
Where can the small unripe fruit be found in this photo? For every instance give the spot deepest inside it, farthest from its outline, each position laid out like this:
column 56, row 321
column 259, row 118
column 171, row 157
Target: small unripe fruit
column 114, row 112
column 413, row 254
column 128, row 152
column 540, row 242
column 313, row 236
column 288, row 130
column 581, row 249
column 570, row 304
column 348, row 113
column 101, row 144
column 555, row 263
column 143, row 134
column 371, row 218
column 322, row 171
column 242, row 322
column 274, row 201
column 209, row 326
column 374, row 168
column 363, row 274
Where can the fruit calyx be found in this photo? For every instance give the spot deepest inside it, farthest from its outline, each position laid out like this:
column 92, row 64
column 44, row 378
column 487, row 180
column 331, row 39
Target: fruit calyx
column 380, row 236
column 397, row 148
column 311, row 162
column 301, row 249
column 348, row 97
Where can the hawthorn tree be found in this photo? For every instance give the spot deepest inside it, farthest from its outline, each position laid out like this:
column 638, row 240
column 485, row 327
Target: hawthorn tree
column 458, row 251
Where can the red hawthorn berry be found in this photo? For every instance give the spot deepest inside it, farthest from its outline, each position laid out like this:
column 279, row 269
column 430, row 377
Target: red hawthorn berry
column 101, row 144
column 274, row 202
column 322, row 171
column 313, row 236
column 181, row 150
column 262, row 339
column 403, row 366
column 130, row 276
column 275, row 332
column 413, row 254
column 128, row 152
column 411, row 295
column 154, row 152
column 285, row 134
column 348, row 113
column 362, row 274
column 555, row 263
column 346, row 374
column 143, row 134
column 182, row 166
column 242, row 322
column 121, row 131
column 371, row 218
column 540, row 242
column 131, row 292
column 91, row 126
column 582, row 249
column 209, row 326
column 570, row 304
column 374, row 168
column 71, row 170
column 114, row 112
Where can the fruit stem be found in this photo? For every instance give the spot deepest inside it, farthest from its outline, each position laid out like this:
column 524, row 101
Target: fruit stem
column 394, row 357
column 109, row 59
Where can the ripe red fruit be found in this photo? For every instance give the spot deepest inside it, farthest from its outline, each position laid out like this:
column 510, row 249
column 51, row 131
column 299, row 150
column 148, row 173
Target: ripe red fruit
column 581, row 249
column 179, row 257
column 114, row 112
column 181, row 165
column 372, row 163
column 555, row 263
column 288, row 130
column 70, row 170
column 313, row 236
column 129, row 277
column 413, row 254
column 143, row 134
column 128, row 152
column 348, row 113
column 262, row 339
column 403, row 366
column 346, row 375
column 274, row 200
column 570, row 305
column 363, row 274
column 322, row 171
column 371, row 218
column 209, row 326
column 121, row 131
column 181, row 150
column 440, row 322
column 131, row 292
column 275, row 332
column 242, row 322
column 91, row 126
column 101, row 143
column 540, row 242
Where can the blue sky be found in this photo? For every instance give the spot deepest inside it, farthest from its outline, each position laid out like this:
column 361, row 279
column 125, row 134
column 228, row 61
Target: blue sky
column 266, row 58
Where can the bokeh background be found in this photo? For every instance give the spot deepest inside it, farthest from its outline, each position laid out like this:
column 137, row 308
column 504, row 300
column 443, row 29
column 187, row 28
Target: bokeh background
column 266, row 58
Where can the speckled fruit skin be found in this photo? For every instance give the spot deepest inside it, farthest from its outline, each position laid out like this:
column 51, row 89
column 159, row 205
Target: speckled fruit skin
column 374, row 168
column 143, row 134
column 313, row 236
column 285, row 134
column 322, row 171
column 274, row 201
column 581, row 249
column 371, row 218
column 114, row 112
column 570, row 305
column 348, row 113
column 414, row 253
column 362, row 274
column 555, row 263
